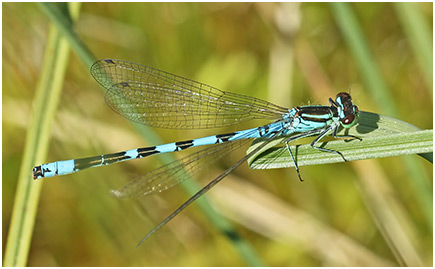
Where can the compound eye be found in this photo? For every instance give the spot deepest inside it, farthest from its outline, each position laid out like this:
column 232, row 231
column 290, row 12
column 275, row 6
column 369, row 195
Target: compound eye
column 348, row 121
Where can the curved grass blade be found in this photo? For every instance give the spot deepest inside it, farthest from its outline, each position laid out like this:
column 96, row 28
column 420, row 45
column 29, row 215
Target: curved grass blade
column 382, row 137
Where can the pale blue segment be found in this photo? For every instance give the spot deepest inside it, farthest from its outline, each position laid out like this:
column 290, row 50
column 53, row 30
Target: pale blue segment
column 51, row 167
column 300, row 125
column 339, row 102
column 204, row 141
column 58, row 168
column 323, row 116
column 340, row 108
column 132, row 154
column 65, row 167
column 166, row 147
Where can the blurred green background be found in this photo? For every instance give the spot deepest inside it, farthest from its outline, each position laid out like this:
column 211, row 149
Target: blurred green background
column 365, row 213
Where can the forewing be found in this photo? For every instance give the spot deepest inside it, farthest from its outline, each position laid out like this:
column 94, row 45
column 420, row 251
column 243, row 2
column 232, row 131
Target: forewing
column 160, row 99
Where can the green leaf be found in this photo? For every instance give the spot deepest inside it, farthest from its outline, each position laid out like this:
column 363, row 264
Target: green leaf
column 382, row 136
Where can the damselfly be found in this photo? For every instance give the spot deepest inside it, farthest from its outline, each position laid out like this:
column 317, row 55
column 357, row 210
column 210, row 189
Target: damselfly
column 149, row 96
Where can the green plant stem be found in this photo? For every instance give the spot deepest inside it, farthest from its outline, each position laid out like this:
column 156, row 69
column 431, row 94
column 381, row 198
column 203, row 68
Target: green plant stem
column 65, row 27
column 46, row 101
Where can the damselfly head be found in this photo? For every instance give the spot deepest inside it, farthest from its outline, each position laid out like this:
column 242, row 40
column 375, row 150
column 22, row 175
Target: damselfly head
column 348, row 112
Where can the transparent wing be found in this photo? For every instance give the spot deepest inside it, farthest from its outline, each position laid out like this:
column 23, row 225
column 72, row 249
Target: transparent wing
column 178, row 171
column 153, row 97
column 206, row 188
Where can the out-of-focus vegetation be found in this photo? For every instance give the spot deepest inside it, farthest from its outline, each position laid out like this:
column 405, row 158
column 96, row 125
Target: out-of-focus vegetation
column 365, row 213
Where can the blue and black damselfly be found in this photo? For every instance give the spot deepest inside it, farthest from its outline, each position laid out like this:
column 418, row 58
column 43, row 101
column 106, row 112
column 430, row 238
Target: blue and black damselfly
column 149, row 96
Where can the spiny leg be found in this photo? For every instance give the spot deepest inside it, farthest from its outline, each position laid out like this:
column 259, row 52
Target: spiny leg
column 294, row 161
column 326, row 132
column 323, row 134
column 306, row 134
